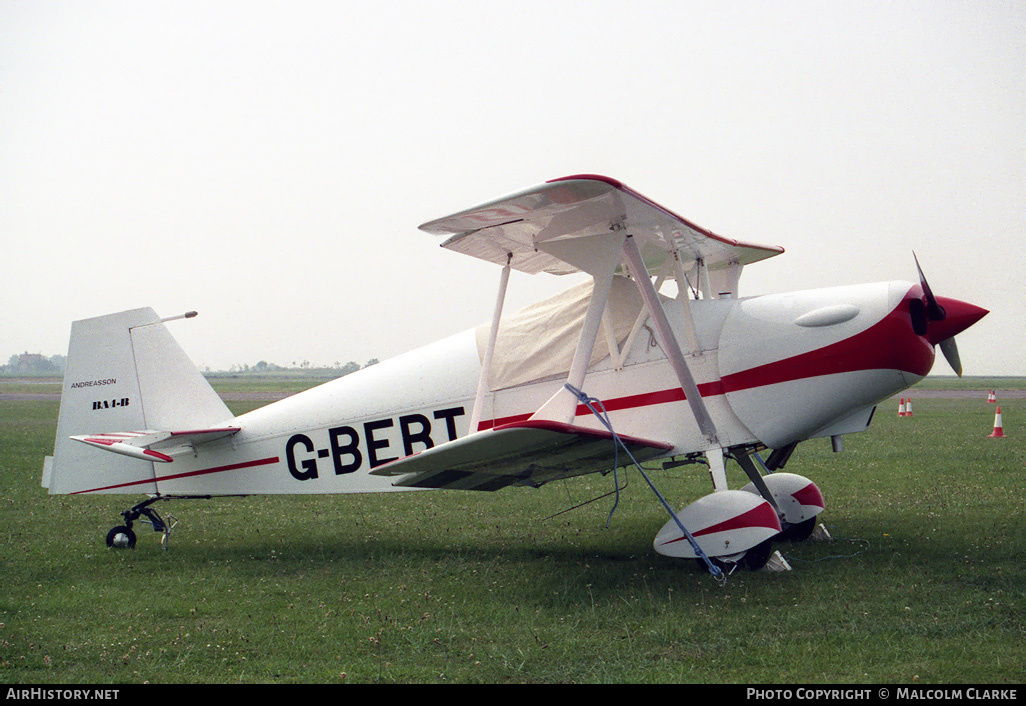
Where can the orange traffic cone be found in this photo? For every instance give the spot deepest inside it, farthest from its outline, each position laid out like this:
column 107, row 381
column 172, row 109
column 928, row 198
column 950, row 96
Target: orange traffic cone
column 901, row 408
column 908, row 407
column 998, row 432
column 991, row 397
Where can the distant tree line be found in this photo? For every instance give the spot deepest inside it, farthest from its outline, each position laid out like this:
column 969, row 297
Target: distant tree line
column 36, row 364
column 337, row 369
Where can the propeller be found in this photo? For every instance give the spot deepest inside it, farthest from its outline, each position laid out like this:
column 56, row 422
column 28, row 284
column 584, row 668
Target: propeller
column 950, row 351
column 945, row 318
column 934, row 311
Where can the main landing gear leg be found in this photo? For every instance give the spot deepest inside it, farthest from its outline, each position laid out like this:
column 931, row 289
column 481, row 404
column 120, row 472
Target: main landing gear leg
column 745, row 461
column 123, row 537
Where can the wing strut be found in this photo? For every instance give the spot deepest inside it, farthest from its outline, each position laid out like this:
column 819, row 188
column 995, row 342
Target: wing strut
column 486, row 364
column 682, row 297
column 668, row 341
column 600, row 262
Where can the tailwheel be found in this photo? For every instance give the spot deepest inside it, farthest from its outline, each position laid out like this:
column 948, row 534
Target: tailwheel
column 121, row 537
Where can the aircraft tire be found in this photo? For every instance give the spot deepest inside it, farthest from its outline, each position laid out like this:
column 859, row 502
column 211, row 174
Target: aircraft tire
column 798, row 532
column 756, row 557
column 121, row 537
column 752, row 560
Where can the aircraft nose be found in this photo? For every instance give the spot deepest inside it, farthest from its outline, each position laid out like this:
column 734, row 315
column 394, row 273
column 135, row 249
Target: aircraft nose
column 958, row 316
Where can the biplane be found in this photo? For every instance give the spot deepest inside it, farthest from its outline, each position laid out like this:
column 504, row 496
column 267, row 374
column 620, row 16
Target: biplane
column 616, row 371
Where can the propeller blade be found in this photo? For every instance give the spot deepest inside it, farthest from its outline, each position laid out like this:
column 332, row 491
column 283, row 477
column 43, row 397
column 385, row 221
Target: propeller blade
column 950, row 351
column 934, row 311
column 946, row 320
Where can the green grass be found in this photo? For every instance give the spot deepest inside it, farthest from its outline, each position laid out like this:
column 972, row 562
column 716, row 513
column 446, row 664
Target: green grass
column 923, row 581
column 983, row 383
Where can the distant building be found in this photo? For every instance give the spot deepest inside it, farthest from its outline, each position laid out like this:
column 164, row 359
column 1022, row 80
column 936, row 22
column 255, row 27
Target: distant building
column 33, row 364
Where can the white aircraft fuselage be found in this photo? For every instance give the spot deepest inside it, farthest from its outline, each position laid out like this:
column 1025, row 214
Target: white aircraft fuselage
column 772, row 370
column 703, row 373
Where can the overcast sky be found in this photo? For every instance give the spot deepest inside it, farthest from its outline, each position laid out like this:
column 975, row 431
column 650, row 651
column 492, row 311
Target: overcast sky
column 268, row 163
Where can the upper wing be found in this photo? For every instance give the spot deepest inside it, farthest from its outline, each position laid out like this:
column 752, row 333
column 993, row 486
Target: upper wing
column 511, row 228
column 528, row 453
column 147, row 445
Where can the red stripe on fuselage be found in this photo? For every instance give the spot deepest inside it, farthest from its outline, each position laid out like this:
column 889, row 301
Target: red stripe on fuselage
column 889, row 344
column 190, row 474
column 645, row 399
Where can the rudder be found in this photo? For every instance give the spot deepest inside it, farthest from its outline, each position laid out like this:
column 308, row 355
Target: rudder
column 124, row 372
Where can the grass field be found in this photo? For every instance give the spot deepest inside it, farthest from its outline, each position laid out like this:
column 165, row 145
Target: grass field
column 924, row 581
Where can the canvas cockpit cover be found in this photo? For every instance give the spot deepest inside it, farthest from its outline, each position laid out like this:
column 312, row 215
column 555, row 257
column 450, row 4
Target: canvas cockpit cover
column 539, row 341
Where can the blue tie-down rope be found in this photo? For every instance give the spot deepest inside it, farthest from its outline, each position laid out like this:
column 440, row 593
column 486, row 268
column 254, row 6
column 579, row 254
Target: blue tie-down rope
column 599, row 410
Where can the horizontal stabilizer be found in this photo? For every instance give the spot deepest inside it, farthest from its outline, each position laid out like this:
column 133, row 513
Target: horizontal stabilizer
column 148, row 445
column 531, row 452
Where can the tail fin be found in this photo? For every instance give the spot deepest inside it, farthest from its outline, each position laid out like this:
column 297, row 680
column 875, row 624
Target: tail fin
column 124, row 372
